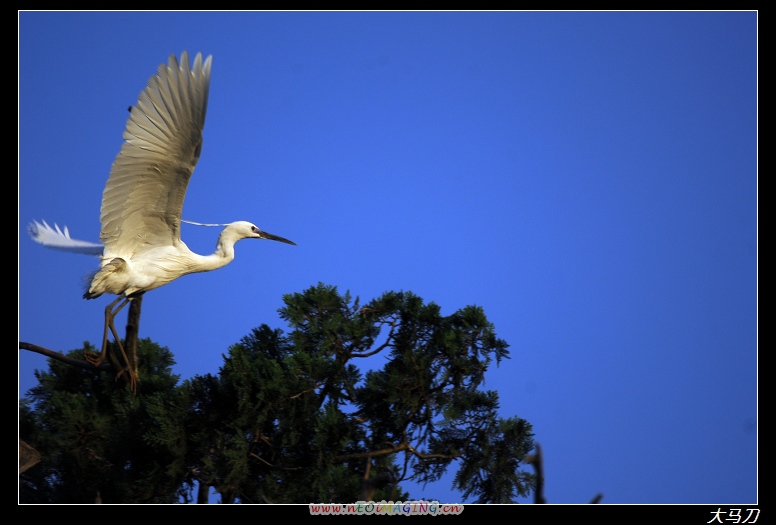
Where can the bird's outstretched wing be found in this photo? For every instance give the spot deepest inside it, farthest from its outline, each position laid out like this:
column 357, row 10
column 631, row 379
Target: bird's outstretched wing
column 60, row 239
column 143, row 198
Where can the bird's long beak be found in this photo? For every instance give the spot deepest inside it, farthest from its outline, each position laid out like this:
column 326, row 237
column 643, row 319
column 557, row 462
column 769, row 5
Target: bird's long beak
column 266, row 235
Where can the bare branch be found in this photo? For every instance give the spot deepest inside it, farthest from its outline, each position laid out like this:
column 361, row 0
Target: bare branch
column 433, row 456
column 392, row 450
column 536, row 459
column 305, row 391
column 80, row 363
column 538, row 463
column 383, row 452
column 388, row 341
column 271, row 465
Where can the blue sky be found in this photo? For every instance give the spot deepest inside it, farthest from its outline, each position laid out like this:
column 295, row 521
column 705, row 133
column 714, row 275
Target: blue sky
column 588, row 178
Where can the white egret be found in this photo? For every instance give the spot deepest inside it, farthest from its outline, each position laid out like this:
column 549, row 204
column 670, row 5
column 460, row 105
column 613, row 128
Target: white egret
column 141, row 205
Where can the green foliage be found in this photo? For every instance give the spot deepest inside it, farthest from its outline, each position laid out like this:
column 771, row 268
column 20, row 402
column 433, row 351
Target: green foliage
column 290, row 418
column 97, row 440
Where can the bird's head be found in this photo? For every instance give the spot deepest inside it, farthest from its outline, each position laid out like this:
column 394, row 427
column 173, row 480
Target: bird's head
column 247, row 230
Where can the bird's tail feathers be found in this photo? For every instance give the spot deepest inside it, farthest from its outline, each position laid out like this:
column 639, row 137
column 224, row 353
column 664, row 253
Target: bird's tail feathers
column 59, row 239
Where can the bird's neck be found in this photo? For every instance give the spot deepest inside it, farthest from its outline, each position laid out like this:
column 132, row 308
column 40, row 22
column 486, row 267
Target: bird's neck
column 214, row 261
column 224, row 253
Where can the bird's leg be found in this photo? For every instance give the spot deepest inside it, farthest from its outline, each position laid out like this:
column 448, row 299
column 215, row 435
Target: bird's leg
column 108, row 321
column 127, row 366
column 110, row 314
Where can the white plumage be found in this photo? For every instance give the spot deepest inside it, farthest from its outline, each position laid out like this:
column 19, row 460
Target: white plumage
column 142, row 202
column 60, row 240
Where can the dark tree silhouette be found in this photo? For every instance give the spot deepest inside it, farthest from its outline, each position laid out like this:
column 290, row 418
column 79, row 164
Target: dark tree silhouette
column 347, row 405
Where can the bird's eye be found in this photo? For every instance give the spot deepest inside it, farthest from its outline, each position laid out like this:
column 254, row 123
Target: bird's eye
column 255, row 229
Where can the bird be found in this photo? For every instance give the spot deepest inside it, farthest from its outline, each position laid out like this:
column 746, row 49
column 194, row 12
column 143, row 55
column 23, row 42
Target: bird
column 140, row 245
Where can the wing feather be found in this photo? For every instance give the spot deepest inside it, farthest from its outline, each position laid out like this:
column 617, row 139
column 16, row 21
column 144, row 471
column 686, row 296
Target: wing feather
column 143, row 198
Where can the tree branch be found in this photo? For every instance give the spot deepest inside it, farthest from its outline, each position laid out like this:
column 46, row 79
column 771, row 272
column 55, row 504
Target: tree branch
column 538, row 463
column 392, row 450
column 292, row 469
column 80, row 363
column 387, row 343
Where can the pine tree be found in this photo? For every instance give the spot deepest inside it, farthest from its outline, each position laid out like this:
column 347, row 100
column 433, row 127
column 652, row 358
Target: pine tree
column 97, row 441
column 349, row 403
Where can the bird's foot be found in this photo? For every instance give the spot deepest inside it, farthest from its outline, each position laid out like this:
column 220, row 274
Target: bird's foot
column 93, row 358
column 132, row 380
